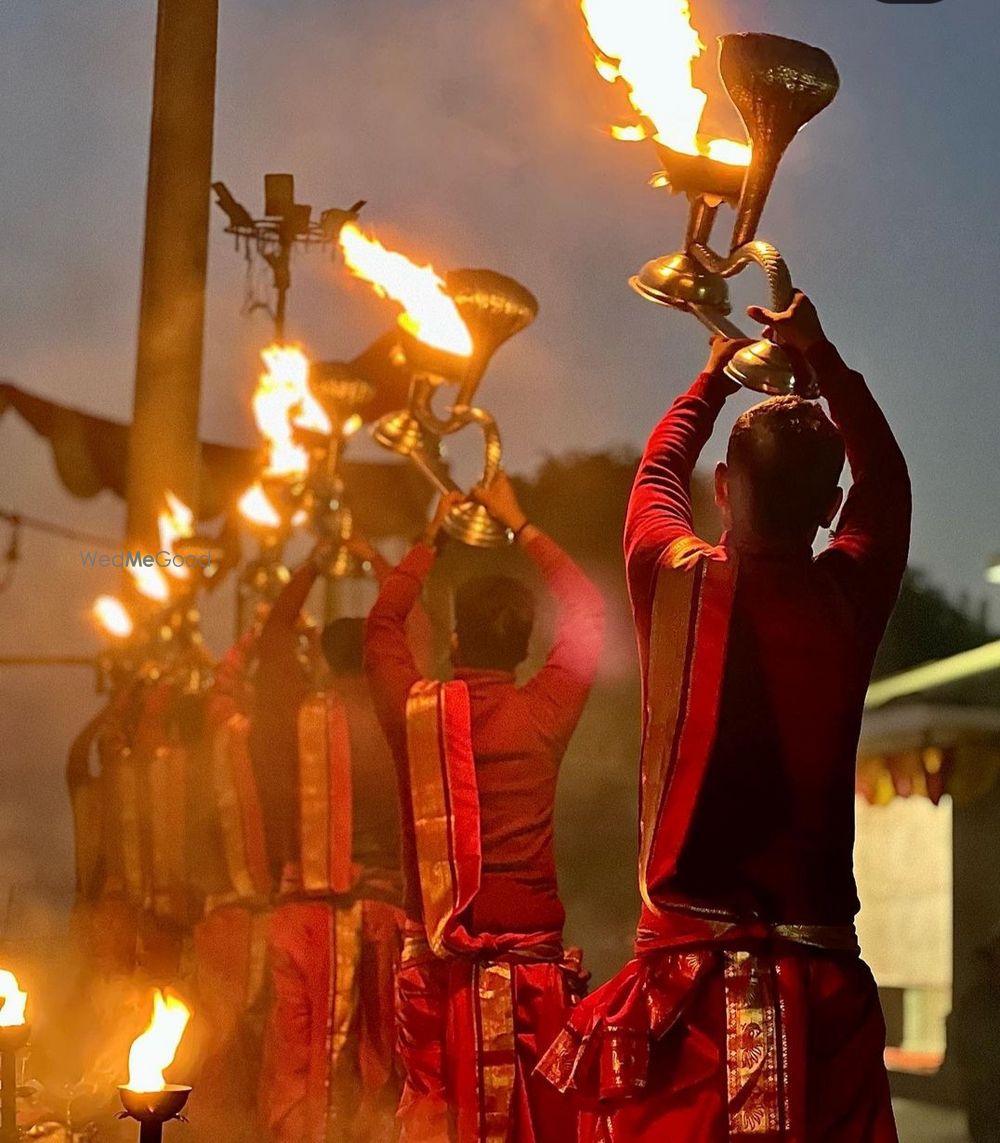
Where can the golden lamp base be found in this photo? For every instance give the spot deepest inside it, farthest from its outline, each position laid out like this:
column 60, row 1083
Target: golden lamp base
column 399, row 432
column 677, row 280
column 471, row 524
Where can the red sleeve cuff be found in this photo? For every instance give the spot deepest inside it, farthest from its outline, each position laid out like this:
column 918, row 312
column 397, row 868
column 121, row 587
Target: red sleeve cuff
column 824, row 358
column 713, row 387
column 418, row 561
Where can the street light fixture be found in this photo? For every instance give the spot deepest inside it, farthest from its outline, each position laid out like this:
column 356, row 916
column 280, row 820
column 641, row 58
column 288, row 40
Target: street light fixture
column 286, row 223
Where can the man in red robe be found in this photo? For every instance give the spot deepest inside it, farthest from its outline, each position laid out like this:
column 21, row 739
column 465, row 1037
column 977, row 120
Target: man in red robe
column 485, row 983
column 230, row 939
column 748, row 1012
column 326, row 783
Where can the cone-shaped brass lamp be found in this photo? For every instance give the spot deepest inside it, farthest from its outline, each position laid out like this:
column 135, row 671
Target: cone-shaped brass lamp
column 339, row 390
column 494, row 308
column 777, row 85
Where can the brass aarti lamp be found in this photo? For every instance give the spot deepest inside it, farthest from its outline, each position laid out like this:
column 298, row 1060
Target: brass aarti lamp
column 494, row 308
column 14, row 1035
column 343, row 396
column 777, row 85
column 147, row 1097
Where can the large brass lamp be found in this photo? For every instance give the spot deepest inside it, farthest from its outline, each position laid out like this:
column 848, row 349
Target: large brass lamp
column 494, row 308
column 777, row 85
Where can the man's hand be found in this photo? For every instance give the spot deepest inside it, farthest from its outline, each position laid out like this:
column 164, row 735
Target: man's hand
column 323, row 553
column 500, row 500
column 797, row 328
column 723, row 350
column 359, row 545
column 447, row 502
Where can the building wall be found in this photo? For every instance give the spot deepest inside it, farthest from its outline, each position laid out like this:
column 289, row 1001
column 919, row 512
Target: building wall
column 903, row 863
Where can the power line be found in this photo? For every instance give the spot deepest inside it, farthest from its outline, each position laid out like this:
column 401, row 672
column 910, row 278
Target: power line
column 18, row 519
column 45, row 661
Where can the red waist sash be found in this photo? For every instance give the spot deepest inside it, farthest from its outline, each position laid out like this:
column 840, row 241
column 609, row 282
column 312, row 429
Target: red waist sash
column 603, row 1054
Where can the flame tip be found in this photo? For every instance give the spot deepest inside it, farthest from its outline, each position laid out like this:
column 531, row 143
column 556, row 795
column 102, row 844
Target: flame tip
column 15, row 1000
column 652, row 46
column 153, row 1051
column 428, row 312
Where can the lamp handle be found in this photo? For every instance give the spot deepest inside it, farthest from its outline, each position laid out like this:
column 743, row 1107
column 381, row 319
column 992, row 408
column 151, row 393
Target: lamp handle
column 763, row 254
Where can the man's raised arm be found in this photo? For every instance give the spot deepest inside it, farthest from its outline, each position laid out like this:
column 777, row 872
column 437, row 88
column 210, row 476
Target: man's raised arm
column 563, row 682
column 659, row 509
column 871, row 544
column 389, row 660
column 279, row 635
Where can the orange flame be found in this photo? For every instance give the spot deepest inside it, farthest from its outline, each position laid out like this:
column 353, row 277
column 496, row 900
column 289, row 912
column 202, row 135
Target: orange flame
column 112, row 616
column 255, row 507
column 651, row 45
column 428, row 312
column 14, row 1000
column 155, row 1049
column 150, row 582
column 282, row 402
column 176, row 523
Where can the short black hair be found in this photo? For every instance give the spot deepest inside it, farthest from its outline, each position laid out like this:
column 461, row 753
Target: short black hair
column 790, row 455
column 343, row 645
column 494, row 616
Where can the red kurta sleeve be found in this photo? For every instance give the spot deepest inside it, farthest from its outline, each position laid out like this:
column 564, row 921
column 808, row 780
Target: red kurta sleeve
column 279, row 637
column 419, row 631
column 659, row 509
column 871, row 544
column 560, row 687
column 228, row 695
column 389, row 661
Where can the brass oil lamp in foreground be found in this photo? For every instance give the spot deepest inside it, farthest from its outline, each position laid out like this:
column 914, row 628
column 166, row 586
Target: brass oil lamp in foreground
column 777, row 85
column 147, row 1098
column 14, row 1036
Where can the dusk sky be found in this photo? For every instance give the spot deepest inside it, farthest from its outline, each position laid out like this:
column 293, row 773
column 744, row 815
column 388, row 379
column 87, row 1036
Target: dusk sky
column 478, row 133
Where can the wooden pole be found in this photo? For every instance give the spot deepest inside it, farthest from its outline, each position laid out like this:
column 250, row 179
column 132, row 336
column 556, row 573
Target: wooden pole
column 163, row 448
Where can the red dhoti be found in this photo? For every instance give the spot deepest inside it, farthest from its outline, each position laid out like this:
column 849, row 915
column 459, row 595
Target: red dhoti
column 471, row 1033
column 229, row 974
column 719, row 1032
column 328, row 1071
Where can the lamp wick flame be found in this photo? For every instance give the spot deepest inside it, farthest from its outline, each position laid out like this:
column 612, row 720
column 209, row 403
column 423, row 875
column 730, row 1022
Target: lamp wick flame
column 153, row 1051
column 651, row 45
column 428, row 312
column 283, row 402
column 14, row 1000
column 112, row 616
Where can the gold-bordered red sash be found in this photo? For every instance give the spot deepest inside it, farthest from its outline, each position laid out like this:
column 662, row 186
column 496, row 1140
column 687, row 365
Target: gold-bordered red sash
column 687, row 648
column 122, row 767
column 325, row 796
column 445, row 797
column 345, row 939
column 496, row 1060
column 240, row 819
column 755, row 1049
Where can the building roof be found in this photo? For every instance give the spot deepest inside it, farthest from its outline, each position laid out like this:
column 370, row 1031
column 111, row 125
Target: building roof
column 969, row 679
